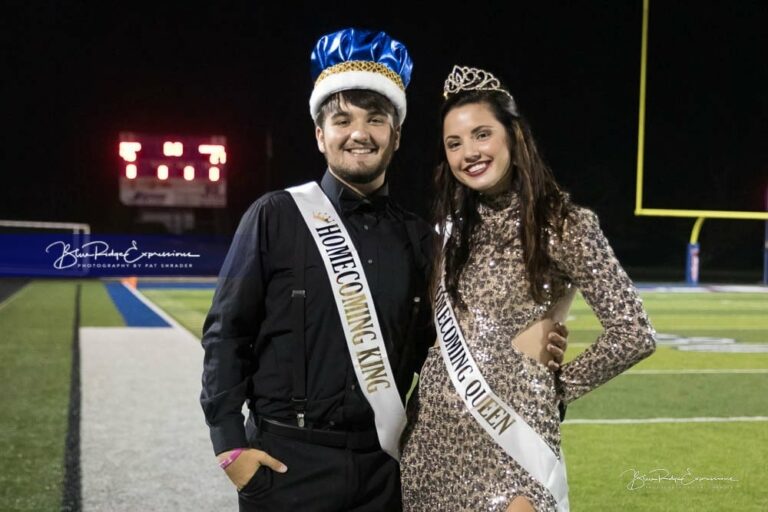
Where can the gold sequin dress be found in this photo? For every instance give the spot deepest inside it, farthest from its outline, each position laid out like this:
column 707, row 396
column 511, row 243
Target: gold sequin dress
column 449, row 463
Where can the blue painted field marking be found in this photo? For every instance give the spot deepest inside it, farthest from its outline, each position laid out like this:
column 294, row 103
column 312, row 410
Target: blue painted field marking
column 134, row 311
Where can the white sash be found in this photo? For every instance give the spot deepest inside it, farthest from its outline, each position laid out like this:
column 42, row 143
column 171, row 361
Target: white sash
column 499, row 420
column 357, row 312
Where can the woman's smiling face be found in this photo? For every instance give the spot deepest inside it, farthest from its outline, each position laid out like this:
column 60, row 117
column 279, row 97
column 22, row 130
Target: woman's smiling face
column 477, row 148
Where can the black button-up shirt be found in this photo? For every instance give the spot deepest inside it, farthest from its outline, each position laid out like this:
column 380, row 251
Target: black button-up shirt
column 247, row 335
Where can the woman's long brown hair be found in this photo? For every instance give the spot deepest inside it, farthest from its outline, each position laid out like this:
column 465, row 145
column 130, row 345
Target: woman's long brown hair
column 543, row 203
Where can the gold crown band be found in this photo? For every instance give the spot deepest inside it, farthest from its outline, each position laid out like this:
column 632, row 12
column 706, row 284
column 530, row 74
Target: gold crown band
column 361, row 65
column 463, row 78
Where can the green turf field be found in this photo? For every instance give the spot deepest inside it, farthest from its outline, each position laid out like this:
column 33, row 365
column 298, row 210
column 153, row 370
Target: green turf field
column 701, row 464
column 709, row 465
column 706, row 465
column 680, row 431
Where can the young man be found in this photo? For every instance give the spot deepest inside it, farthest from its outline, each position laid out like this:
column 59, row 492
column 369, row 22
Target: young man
column 321, row 317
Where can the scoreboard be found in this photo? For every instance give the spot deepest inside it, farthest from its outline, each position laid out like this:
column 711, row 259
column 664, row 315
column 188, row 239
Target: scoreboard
column 173, row 170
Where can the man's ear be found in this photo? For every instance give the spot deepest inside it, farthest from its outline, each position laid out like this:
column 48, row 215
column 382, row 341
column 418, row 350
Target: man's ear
column 398, row 131
column 320, row 137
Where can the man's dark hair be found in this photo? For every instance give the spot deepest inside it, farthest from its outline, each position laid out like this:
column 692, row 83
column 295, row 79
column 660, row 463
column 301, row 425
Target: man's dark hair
column 361, row 98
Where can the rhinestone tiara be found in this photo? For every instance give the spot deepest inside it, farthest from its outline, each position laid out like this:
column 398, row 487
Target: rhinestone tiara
column 464, row 78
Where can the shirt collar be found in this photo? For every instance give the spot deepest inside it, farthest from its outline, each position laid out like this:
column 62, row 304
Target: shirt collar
column 347, row 200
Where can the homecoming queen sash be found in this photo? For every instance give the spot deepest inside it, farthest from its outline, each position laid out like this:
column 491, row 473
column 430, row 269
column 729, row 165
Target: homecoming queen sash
column 497, row 418
column 357, row 312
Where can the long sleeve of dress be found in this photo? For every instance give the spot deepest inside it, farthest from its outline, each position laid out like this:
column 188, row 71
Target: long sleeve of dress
column 586, row 257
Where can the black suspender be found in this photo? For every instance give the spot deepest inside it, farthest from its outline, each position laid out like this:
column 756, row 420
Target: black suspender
column 298, row 303
column 409, row 345
column 418, row 256
column 298, row 300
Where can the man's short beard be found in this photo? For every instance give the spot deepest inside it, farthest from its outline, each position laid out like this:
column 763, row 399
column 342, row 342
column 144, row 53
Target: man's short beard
column 366, row 175
column 359, row 178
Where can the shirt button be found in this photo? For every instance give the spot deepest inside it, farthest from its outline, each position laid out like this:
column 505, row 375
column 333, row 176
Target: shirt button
column 365, row 227
column 370, row 262
column 353, row 387
column 331, row 423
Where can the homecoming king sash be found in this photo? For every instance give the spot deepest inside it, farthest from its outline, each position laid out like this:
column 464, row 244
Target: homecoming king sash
column 498, row 419
column 357, row 312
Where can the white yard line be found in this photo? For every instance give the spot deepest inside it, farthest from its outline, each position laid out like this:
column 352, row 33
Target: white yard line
column 673, row 288
column 640, row 421
column 694, row 371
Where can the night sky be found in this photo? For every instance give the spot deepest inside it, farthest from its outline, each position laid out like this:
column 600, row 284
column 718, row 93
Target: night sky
column 77, row 73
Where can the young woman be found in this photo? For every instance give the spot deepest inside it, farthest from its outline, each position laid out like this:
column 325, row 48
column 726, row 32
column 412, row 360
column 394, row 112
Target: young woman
column 514, row 249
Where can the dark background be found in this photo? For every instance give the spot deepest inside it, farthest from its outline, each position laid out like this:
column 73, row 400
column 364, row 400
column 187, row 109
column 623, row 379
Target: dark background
column 76, row 73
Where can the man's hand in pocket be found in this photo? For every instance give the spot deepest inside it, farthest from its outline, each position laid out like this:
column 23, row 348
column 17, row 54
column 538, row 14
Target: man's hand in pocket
column 242, row 469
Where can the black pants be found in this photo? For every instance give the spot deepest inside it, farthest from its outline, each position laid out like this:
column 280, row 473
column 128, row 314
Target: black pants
column 321, row 479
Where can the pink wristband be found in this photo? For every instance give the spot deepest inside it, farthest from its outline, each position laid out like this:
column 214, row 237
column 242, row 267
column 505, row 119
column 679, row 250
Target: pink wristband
column 232, row 456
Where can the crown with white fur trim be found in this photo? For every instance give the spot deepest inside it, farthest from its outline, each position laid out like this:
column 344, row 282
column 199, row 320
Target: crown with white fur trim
column 360, row 59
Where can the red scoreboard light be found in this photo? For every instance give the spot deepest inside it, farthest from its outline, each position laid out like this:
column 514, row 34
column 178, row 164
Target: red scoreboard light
column 173, row 171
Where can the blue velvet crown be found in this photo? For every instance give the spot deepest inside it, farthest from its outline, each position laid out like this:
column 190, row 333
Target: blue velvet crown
column 360, row 59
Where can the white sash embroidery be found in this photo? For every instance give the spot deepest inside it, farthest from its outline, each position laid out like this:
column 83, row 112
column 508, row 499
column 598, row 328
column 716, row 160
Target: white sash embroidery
column 357, row 312
column 498, row 419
